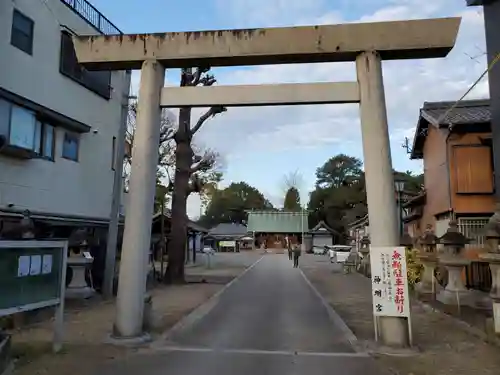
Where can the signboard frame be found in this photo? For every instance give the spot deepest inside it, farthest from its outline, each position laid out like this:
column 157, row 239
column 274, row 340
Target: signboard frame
column 59, row 301
column 389, row 280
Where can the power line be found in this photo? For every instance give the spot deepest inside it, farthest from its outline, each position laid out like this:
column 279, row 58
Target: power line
column 490, row 66
column 443, row 117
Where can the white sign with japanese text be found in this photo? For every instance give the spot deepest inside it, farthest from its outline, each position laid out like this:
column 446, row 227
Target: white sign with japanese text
column 389, row 282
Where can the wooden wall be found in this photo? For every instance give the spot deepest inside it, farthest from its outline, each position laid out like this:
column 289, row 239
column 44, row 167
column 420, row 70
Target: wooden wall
column 471, row 175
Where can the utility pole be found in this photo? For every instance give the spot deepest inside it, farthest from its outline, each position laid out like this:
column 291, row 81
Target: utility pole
column 111, row 244
column 491, row 9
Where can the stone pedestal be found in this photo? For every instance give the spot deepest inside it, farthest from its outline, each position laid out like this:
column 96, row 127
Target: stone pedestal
column 455, row 292
column 365, row 262
column 78, row 288
column 428, row 287
column 494, row 260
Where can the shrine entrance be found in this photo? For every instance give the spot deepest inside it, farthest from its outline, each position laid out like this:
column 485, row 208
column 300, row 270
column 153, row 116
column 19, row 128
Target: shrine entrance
column 367, row 44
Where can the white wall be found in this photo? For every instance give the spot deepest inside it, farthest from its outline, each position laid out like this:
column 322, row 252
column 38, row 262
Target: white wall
column 63, row 186
column 320, row 241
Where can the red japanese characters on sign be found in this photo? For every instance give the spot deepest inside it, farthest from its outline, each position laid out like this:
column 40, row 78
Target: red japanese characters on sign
column 397, row 271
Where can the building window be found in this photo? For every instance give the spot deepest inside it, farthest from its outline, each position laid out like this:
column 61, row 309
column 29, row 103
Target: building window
column 70, row 146
column 113, row 155
column 22, row 130
column 96, row 81
column 4, row 118
column 21, row 35
column 45, row 140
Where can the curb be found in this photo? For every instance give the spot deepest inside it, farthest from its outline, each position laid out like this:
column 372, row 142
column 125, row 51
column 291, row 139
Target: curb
column 334, row 317
column 199, row 312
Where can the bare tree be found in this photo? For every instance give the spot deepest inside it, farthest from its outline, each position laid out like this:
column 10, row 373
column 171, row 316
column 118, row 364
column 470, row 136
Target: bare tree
column 188, row 164
column 166, row 147
column 208, row 174
column 292, row 180
column 292, row 183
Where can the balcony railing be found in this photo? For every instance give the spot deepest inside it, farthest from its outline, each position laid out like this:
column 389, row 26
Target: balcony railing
column 93, row 17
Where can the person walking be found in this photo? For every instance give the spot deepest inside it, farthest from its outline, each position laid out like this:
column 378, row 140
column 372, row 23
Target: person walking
column 288, row 247
column 296, row 255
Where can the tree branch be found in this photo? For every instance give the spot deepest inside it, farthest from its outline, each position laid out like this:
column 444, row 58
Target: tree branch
column 197, row 77
column 167, row 135
column 188, row 78
column 195, row 185
column 210, row 113
column 201, row 165
column 208, row 80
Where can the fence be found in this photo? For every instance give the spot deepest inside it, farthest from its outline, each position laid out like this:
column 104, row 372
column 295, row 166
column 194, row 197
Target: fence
column 473, row 229
column 90, row 14
column 478, row 276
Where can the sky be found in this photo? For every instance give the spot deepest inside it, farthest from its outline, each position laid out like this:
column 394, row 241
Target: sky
column 261, row 145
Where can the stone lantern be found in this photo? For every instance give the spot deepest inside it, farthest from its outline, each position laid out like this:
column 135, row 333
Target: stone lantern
column 493, row 258
column 406, row 240
column 453, row 260
column 427, row 256
column 79, row 263
column 365, row 252
column 27, row 226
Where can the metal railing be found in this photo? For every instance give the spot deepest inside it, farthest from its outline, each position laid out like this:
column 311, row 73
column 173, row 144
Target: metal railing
column 473, row 229
column 93, row 17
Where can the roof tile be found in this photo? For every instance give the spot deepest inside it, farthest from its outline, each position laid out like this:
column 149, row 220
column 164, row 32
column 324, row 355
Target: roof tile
column 466, row 112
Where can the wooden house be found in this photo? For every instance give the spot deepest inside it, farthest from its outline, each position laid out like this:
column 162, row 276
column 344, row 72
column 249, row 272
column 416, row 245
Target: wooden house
column 322, row 234
column 455, row 146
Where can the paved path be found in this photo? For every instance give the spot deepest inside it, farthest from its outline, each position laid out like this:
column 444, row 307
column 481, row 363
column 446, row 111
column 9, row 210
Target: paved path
column 269, row 321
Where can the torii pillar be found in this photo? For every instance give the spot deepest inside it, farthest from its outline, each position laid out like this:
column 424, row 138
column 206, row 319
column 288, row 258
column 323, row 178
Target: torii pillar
column 367, row 44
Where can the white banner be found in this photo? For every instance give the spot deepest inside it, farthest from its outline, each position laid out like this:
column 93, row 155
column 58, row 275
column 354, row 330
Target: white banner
column 227, row 243
column 389, row 282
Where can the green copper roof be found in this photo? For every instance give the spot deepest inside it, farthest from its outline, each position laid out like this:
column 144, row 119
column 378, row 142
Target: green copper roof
column 277, row 222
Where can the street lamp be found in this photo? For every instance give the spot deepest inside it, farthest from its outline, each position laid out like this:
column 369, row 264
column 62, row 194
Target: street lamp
column 399, row 186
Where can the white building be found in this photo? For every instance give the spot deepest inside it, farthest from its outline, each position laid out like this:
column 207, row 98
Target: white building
column 60, row 122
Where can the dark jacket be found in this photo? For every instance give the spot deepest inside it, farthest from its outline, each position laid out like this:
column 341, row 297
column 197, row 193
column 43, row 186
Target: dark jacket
column 297, row 250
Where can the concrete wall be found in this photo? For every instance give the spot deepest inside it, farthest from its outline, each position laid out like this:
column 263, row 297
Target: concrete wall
column 62, row 186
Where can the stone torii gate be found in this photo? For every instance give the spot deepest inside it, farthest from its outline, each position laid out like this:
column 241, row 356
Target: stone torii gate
column 367, row 44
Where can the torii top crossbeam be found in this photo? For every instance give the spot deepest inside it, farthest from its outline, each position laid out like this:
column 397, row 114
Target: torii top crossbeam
column 428, row 38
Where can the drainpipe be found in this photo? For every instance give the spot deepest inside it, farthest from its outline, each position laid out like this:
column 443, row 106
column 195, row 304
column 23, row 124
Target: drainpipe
column 448, row 169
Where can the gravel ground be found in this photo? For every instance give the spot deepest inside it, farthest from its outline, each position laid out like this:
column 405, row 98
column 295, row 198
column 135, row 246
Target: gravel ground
column 444, row 347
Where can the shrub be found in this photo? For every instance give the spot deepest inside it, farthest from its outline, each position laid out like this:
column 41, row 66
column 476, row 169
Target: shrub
column 413, row 267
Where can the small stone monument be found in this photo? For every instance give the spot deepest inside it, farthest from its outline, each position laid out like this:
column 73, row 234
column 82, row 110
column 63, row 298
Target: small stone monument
column 493, row 258
column 79, row 260
column 428, row 286
column 365, row 251
column 27, row 226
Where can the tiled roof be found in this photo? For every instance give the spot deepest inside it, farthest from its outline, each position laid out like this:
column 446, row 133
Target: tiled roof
column 230, row 229
column 277, row 222
column 324, row 225
column 466, row 112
